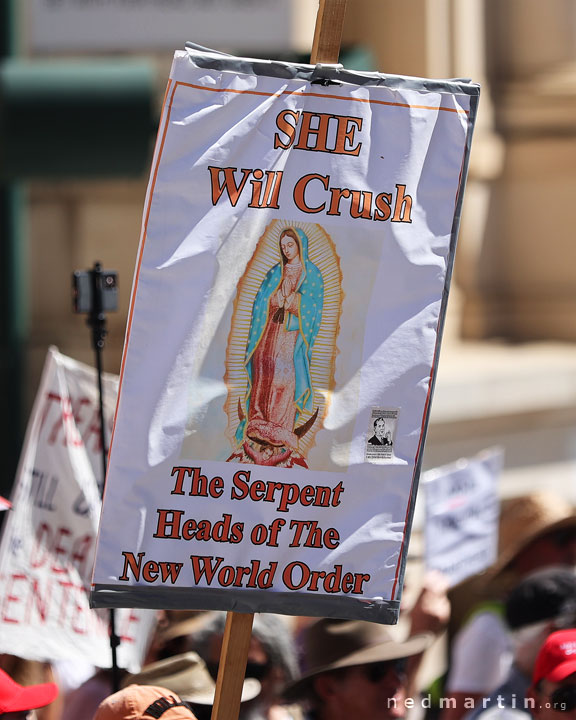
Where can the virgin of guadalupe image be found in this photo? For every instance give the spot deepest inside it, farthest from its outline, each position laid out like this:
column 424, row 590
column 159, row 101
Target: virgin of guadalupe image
column 284, row 324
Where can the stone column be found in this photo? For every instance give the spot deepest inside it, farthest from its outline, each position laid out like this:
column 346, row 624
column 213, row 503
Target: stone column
column 523, row 286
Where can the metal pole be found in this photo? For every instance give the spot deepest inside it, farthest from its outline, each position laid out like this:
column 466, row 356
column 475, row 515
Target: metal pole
column 97, row 321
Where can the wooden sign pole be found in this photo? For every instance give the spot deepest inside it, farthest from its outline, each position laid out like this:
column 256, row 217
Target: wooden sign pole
column 328, row 32
column 236, row 643
column 232, row 669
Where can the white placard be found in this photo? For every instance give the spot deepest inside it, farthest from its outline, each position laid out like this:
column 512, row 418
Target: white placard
column 462, row 510
column 290, row 290
column 49, row 538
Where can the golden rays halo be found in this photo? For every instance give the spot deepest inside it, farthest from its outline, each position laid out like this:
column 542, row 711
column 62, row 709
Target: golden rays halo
column 322, row 253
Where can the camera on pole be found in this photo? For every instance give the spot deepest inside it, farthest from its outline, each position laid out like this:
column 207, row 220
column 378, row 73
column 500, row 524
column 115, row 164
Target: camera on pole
column 94, row 293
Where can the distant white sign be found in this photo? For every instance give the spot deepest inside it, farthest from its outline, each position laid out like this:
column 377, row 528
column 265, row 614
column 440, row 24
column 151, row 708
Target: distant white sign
column 47, row 547
column 462, row 509
column 105, row 25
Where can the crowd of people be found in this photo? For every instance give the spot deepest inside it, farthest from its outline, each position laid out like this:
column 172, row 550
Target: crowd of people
column 508, row 641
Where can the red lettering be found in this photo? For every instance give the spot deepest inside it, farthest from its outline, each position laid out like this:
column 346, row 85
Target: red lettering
column 77, row 409
column 188, row 530
column 150, row 571
column 288, row 579
column 168, row 524
column 50, row 397
column 203, row 567
column 127, row 633
column 58, row 550
column 181, row 473
column 80, row 551
column 131, row 563
column 40, row 550
column 199, row 485
column 40, row 600
column 94, row 429
column 12, row 597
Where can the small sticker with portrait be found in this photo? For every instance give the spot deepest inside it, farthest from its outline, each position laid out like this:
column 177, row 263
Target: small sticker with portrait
column 380, row 434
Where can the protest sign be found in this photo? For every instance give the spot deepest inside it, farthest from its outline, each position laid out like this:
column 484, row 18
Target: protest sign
column 298, row 237
column 462, row 510
column 48, row 543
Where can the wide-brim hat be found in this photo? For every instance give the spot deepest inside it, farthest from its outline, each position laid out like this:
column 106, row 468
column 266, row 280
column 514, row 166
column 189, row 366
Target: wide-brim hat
column 527, row 518
column 330, row 644
column 187, row 676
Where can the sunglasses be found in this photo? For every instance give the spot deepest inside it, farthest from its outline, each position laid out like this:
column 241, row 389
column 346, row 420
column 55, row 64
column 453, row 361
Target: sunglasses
column 563, row 699
column 563, row 537
column 378, row 670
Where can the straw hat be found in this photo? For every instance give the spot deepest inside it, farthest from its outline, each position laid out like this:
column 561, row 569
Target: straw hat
column 188, row 676
column 330, row 644
column 526, row 518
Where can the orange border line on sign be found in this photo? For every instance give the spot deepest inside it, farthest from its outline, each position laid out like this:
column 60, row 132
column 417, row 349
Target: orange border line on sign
column 320, row 95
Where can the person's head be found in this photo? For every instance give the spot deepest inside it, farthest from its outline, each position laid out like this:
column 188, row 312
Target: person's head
column 17, row 701
column 144, row 702
column 354, row 669
column 187, row 676
column 553, row 688
column 380, row 427
column 536, row 530
column 271, row 655
column 554, row 547
column 541, row 603
column 289, row 245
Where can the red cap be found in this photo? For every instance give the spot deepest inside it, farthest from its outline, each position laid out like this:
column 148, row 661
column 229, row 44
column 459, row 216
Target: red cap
column 17, row 698
column 557, row 657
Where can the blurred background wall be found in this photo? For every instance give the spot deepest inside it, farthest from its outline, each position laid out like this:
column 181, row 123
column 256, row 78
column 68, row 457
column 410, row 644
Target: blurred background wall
column 81, row 84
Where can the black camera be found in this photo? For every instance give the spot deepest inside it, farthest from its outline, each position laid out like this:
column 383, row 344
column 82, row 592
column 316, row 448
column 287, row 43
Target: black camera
column 85, row 285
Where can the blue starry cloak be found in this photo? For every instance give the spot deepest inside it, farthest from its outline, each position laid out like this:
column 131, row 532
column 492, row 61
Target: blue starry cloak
column 310, row 295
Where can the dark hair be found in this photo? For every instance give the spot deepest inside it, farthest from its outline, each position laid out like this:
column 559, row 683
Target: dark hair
column 543, row 595
column 379, row 419
column 270, row 630
column 294, row 235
